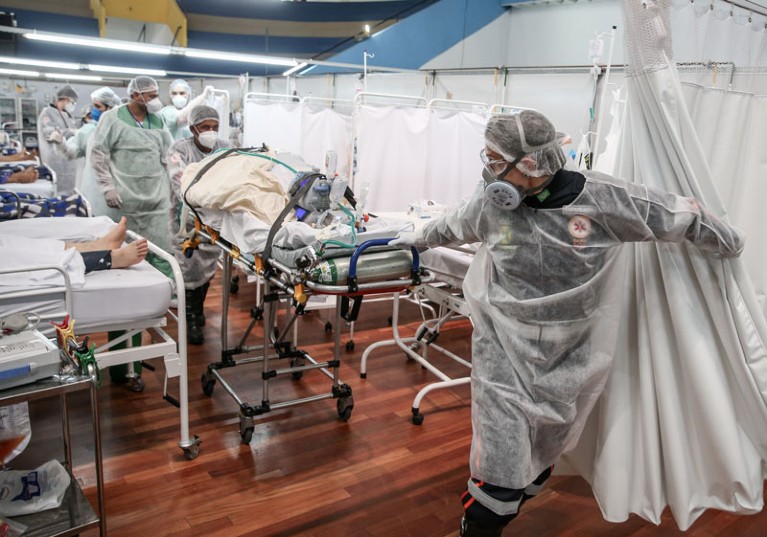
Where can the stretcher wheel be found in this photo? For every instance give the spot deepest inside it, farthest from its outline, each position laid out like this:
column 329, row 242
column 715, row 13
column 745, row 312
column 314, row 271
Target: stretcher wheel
column 297, row 362
column 208, row 382
column 247, row 435
column 234, row 287
column 135, row 384
column 344, row 405
column 350, row 346
column 417, row 417
column 257, row 313
column 328, row 327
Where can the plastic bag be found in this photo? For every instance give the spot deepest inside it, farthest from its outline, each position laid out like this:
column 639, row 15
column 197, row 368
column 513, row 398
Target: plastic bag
column 25, row 492
column 15, row 431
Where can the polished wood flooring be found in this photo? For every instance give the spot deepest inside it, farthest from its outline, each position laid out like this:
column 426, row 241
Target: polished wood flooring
column 305, row 472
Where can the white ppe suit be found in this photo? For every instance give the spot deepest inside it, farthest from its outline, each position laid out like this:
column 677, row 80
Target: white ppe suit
column 52, row 119
column 201, row 267
column 542, row 291
column 130, row 160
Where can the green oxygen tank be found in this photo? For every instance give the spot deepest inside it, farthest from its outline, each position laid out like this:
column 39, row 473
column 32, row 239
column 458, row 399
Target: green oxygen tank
column 370, row 268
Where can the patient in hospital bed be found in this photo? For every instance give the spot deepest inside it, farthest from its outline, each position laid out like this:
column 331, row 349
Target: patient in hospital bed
column 76, row 257
column 27, row 175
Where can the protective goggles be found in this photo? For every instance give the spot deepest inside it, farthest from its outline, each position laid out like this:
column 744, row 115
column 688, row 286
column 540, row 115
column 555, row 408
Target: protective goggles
column 497, row 167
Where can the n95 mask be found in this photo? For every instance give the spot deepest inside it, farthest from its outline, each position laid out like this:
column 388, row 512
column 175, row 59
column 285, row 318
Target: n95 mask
column 154, row 106
column 179, row 101
column 208, row 139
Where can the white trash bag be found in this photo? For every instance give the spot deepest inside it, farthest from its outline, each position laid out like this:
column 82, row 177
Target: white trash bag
column 25, row 492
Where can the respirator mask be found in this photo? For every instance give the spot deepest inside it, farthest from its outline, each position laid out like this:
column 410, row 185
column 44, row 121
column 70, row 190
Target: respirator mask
column 179, row 101
column 500, row 192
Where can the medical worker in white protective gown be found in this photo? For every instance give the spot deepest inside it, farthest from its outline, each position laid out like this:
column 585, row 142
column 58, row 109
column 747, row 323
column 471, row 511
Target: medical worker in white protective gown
column 200, row 267
column 58, row 119
column 75, row 147
column 176, row 115
column 542, row 291
column 127, row 154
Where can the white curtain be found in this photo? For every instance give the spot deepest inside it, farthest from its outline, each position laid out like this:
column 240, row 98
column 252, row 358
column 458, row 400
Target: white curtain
column 392, row 146
column 277, row 124
column 733, row 142
column 454, row 167
column 682, row 422
column 324, row 129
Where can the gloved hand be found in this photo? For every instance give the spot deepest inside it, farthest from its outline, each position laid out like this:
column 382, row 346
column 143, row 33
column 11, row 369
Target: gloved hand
column 113, row 199
column 69, row 133
column 208, row 91
column 405, row 239
column 55, row 137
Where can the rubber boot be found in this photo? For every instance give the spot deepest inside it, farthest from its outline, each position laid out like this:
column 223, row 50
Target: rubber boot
column 194, row 333
column 118, row 373
column 469, row 528
column 205, row 287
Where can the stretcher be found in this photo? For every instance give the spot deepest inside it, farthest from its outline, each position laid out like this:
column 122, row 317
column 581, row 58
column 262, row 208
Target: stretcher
column 449, row 266
column 142, row 292
column 348, row 272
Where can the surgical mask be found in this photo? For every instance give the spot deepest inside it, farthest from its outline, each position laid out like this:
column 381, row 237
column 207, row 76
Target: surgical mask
column 95, row 114
column 208, row 139
column 154, row 106
column 179, row 101
column 69, row 108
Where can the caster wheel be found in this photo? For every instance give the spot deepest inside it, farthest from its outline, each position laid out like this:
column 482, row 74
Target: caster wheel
column 208, row 382
column 350, row 346
column 328, row 327
column 190, row 453
column 297, row 362
column 247, row 435
column 258, row 314
column 135, row 384
column 417, row 418
column 345, row 405
column 234, row 287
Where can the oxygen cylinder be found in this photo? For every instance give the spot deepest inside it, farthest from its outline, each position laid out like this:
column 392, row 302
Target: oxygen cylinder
column 370, row 267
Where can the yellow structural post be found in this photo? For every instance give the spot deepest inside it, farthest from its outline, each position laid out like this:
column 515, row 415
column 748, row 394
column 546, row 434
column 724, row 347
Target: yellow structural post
column 164, row 12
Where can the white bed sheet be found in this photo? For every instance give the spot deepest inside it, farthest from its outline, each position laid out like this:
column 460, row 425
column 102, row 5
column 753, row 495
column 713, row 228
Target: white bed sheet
column 41, row 187
column 448, row 264
column 109, row 296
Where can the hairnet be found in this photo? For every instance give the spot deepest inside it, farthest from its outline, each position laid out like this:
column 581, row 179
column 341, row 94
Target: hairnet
column 202, row 112
column 106, row 96
column 526, row 133
column 180, row 83
column 142, row 84
column 67, row 92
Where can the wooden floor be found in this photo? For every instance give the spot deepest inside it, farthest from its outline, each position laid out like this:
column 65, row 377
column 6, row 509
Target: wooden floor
column 305, row 472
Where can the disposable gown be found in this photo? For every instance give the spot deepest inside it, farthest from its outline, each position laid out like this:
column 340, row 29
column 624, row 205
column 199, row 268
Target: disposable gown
column 200, row 268
column 52, row 119
column 131, row 160
column 75, row 147
column 172, row 118
column 542, row 291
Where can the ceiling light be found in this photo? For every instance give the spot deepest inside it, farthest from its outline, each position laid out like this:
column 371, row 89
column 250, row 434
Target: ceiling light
column 98, row 43
column 294, row 69
column 246, row 58
column 127, row 70
column 67, row 76
column 39, row 63
column 19, row 72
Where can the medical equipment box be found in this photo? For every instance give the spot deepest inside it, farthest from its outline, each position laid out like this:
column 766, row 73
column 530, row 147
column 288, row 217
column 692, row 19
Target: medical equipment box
column 25, row 357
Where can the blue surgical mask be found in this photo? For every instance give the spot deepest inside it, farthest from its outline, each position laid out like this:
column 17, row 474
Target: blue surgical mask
column 95, row 114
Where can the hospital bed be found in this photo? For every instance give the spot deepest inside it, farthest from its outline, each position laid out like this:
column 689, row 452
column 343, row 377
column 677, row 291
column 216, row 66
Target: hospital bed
column 449, row 266
column 44, row 186
column 350, row 268
column 134, row 300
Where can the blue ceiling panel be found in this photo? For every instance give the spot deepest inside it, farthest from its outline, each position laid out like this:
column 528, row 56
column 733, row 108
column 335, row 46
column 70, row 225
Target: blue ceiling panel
column 49, row 22
column 304, row 47
column 299, row 11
